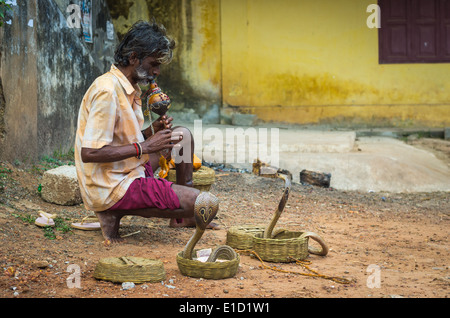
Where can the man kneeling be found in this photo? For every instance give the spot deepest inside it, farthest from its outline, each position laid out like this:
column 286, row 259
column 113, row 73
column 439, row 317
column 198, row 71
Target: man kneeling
column 115, row 159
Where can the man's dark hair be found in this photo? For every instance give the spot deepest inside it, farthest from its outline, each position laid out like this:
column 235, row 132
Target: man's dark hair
column 145, row 39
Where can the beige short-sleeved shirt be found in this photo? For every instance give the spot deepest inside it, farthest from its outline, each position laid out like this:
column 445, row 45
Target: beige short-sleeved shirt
column 110, row 114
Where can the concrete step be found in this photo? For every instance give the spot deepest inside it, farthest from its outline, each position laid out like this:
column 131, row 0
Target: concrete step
column 363, row 160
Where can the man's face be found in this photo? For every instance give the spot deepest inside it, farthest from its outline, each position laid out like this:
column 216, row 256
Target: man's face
column 147, row 70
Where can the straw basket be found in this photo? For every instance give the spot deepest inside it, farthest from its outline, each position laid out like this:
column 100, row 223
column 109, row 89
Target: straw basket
column 282, row 247
column 241, row 237
column 208, row 270
column 130, row 269
column 203, row 178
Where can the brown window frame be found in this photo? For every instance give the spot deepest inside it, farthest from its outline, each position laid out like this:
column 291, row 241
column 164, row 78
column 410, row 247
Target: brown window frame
column 407, row 31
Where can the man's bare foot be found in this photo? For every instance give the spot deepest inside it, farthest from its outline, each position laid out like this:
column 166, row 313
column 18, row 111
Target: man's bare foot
column 190, row 222
column 110, row 223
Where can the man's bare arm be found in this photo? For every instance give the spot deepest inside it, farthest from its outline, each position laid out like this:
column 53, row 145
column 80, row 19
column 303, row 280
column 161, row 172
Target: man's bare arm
column 163, row 139
column 108, row 153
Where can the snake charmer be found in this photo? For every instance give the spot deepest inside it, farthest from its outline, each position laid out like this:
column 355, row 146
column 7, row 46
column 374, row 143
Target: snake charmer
column 116, row 157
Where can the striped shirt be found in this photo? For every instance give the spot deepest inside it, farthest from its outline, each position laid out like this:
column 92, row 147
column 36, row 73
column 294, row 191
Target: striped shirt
column 110, row 114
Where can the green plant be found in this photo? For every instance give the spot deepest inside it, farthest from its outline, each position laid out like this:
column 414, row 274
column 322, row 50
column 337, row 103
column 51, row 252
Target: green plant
column 36, row 169
column 49, row 232
column 5, row 170
column 4, row 7
column 60, row 226
column 4, row 177
column 59, row 158
column 52, row 161
column 64, row 156
column 25, row 218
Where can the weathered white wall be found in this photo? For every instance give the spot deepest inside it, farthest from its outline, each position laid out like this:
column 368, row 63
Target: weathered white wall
column 45, row 69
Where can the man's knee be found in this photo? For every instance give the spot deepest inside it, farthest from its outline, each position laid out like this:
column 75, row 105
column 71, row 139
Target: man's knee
column 186, row 195
column 187, row 135
column 185, row 149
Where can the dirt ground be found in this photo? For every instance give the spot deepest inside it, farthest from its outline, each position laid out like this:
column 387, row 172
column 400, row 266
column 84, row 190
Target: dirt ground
column 402, row 239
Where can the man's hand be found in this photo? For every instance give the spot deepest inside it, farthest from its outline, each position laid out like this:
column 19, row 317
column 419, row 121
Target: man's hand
column 163, row 139
column 166, row 121
column 161, row 123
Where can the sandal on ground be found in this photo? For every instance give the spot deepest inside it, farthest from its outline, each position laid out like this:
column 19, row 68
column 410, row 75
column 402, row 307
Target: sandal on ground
column 88, row 223
column 45, row 219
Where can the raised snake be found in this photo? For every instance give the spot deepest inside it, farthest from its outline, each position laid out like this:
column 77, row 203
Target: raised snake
column 287, row 188
column 287, row 177
column 205, row 209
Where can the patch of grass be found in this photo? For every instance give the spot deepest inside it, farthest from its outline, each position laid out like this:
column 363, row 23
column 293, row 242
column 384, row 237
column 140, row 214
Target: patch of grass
column 51, row 162
column 58, row 159
column 5, row 170
column 4, row 176
column 50, row 232
column 64, row 156
column 4, row 173
column 25, row 218
column 60, row 226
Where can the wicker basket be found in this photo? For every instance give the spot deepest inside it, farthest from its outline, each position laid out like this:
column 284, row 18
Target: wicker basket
column 241, row 237
column 203, row 178
column 207, row 270
column 282, row 247
column 130, row 269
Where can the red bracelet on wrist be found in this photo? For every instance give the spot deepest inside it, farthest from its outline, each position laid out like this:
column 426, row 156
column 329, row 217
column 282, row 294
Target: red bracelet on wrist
column 140, row 150
column 137, row 149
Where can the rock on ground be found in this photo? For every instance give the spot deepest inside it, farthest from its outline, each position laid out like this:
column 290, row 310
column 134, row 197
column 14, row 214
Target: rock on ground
column 60, row 186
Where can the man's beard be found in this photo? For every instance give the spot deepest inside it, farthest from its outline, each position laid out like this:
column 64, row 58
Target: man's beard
column 142, row 76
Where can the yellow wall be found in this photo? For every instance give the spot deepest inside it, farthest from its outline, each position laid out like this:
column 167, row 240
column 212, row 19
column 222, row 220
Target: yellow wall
column 200, row 59
column 318, row 61
column 295, row 61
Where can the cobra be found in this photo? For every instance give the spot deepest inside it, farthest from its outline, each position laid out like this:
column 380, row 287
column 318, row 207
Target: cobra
column 205, row 209
column 287, row 188
column 269, row 229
